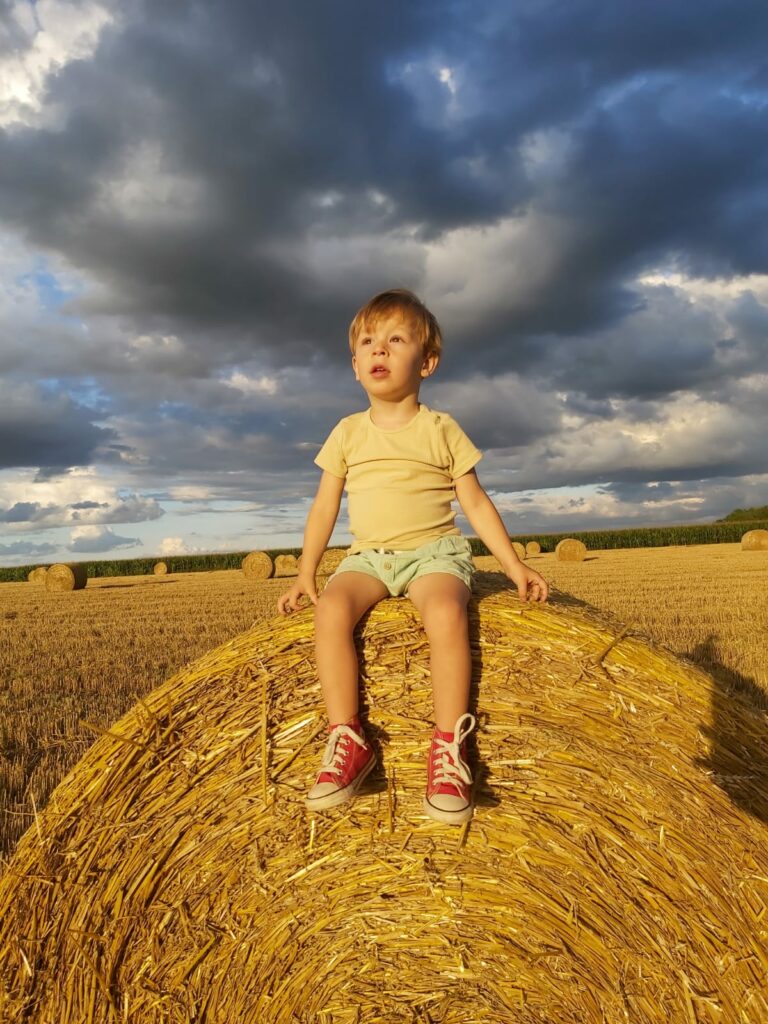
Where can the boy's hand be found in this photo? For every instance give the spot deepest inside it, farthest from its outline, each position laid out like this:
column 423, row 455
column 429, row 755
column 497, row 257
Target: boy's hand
column 289, row 601
column 528, row 582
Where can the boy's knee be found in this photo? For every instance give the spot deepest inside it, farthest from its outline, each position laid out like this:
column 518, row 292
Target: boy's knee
column 444, row 615
column 332, row 607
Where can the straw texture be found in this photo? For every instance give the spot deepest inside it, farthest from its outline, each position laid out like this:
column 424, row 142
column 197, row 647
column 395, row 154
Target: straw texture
column 755, row 540
column 37, row 575
column 533, row 547
column 160, row 568
column 66, row 577
column 519, row 549
column 176, row 876
column 258, row 566
column 571, row 550
column 331, row 560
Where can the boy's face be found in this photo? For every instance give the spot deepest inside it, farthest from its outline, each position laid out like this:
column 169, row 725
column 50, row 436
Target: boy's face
column 389, row 361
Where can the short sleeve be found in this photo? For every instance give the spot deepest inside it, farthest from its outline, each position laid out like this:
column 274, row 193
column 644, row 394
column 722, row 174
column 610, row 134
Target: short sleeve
column 463, row 455
column 331, row 455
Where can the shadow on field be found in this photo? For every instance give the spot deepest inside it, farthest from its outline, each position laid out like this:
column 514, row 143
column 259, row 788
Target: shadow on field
column 739, row 731
column 141, row 583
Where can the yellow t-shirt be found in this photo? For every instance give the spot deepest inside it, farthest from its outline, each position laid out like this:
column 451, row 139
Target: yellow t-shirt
column 399, row 482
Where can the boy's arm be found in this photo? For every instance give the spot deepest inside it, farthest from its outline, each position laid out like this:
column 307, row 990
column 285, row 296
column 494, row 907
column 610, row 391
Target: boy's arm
column 485, row 520
column 488, row 525
column 320, row 522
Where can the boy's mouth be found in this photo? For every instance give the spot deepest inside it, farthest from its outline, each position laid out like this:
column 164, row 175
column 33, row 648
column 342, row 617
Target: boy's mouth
column 379, row 371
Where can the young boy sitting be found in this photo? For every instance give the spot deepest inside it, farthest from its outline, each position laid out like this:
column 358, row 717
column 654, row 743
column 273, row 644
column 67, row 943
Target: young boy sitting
column 402, row 463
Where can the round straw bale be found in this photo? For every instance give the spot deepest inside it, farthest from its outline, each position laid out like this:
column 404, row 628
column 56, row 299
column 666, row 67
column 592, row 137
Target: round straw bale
column 755, row 540
column 285, row 565
column 37, row 575
column 160, row 568
column 615, row 869
column 332, row 558
column 570, row 550
column 533, row 548
column 519, row 549
column 66, row 577
column 258, row 566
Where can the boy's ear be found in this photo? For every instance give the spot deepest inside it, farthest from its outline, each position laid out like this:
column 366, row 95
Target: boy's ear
column 354, row 367
column 429, row 365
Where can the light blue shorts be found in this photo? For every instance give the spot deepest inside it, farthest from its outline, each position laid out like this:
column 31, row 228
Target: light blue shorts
column 398, row 569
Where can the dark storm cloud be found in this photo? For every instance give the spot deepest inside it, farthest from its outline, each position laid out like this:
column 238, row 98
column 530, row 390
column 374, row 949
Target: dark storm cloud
column 26, row 512
column 25, row 547
column 46, row 429
column 267, row 110
column 126, row 508
column 100, row 541
column 232, row 180
column 635, row 493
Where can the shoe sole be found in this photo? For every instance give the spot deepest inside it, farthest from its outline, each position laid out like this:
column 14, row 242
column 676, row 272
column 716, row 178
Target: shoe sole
column 342, row 796
column 447, row 817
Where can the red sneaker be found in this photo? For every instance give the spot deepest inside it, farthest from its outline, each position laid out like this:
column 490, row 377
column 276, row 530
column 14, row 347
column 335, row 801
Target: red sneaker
column 347, row 761
column 449, row 783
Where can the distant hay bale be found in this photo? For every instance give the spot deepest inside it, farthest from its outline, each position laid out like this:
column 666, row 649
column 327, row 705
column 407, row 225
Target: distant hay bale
column 176, row 874
column 755, row 540
column 258, row 566
column 519, row 549
column 285, row 565
column 66, row 577
column 37, row 575
column 160, row 568
column 533, row 548
column 571, row 550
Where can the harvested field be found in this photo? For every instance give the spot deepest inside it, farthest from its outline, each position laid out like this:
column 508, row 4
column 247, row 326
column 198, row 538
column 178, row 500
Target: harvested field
column 91, row 654
column 707, row 602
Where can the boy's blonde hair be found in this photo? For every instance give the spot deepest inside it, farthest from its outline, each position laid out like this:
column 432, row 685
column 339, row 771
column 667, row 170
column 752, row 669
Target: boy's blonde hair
column 403, row 301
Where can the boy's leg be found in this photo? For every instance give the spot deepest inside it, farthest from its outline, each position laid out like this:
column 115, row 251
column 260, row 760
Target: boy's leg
column 338, row 609
column 441, row 600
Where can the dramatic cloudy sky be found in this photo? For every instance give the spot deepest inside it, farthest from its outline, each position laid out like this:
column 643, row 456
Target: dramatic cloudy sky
column 195, row 197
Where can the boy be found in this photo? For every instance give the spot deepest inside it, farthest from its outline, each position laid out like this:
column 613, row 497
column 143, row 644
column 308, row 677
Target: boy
column 403, row 463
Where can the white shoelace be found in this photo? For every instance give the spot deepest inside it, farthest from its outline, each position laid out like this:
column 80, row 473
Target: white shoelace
column 447, row 756
column 335, row 749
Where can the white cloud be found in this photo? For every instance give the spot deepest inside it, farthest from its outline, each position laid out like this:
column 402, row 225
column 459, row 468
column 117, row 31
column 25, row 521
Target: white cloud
column 178, row 546
column 712, row 291
column 190, row 493
column 80, row 497
column 683, row 432
column 447, row 77
column 252, row 385
column 56, row 33
column 173, row 546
